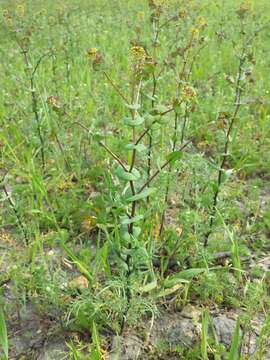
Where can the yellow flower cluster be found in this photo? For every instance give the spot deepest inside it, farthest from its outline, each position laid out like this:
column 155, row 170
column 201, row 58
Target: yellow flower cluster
column 245, row 7
column 194, row 31
column 89, row 223
column 189, row 93
column 52, row 101
column 140, row 15
column 92, row 52
column 20, row 10
column 5, row 13
column 95, row 58
column 182, row 13
column 64, row 185
column 137, row 54
column 158, row 3
column 7, row 17
column 201, row 22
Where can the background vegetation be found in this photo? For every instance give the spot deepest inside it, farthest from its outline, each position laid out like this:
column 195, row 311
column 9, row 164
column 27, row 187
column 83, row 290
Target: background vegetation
column 134, row 163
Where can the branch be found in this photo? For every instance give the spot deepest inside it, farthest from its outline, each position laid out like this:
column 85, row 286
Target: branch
column 116, row 158
column 119, row 92
column 161, row 168
column 146, row 131
column 39, row 62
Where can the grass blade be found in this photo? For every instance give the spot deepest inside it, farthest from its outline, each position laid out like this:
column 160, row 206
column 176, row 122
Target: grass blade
column 233, row 355
column 205, row 324
column 3, row 333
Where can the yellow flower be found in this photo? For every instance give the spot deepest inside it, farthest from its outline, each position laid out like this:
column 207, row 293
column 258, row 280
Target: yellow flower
column 9, row 21
column 194, row 31
column 140, row 15
column 79, row 282
column 189, row 93
column 5, row 13
column 64, row 185
column 138, row 54
column 92, row 52
column 201, row 22
column 89, row 223
column 245, row 7
column 53, row 102
column 182, row 13
column 51, row 20
column 20, row 10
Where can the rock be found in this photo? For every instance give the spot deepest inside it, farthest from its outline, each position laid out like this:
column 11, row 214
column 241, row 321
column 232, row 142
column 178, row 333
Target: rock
column 53, row 349
column 25, row 334
column 34, row 336
column 224, row 328
column 126, row 348
column 174, row 329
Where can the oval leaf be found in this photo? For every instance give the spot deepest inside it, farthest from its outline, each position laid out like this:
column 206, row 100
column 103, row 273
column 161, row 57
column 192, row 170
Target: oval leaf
column 189, row 273
column 133, row 106
column 148, row 287
column 126, row 175
column 175, row 155
column 134, row 122
column 142, row 195
column 125, row 220
column 138, row 147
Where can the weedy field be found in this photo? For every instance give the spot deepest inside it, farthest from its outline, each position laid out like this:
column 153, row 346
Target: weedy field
column 135, row 173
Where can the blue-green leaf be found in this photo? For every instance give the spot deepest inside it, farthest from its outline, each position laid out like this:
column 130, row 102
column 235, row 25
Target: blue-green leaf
column 142, row 195
column 175, row 155
column 133, row 106
column 126, row 175
column 125, row 220
column 138, row 120
column 138, row 147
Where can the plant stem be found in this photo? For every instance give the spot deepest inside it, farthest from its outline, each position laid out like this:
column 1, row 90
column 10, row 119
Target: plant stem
column 135, row 100
column 104, row 146
column 16, row 213
column 168, row 181
column 35, row 99
column 166, row 163
column 237, row 100
column 116, row 88
column 156, row 31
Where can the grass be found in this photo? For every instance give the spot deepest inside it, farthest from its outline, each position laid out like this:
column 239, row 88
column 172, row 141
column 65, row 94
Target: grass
column 135, row 146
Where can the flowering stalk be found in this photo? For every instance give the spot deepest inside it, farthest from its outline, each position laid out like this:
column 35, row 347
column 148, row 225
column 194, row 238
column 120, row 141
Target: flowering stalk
column 156, row 31
column 188, row 94
column 239, row 88
column 34, row 98
column 16, row 213
column 237, row 101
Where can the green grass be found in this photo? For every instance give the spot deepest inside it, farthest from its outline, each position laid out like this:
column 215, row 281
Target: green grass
column 78, row 184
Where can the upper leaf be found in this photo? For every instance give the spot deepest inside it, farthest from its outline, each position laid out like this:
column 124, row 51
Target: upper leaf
column 142, row 195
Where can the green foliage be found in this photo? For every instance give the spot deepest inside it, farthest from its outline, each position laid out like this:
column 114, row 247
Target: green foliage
column 236, row 339
column 134, row 149
column 3, row 334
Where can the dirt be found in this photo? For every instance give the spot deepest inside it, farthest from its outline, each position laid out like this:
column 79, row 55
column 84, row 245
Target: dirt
column 184, row 328
column 34, row 335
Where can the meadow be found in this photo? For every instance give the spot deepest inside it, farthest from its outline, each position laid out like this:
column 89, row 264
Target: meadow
column 135, row 173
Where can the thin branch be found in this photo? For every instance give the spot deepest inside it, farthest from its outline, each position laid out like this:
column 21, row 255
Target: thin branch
column 161, row 168
column 116, row 158
column 237, row 101
column 145, row 132
column 13, row 206
column 119, row 92
column 39, row 62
